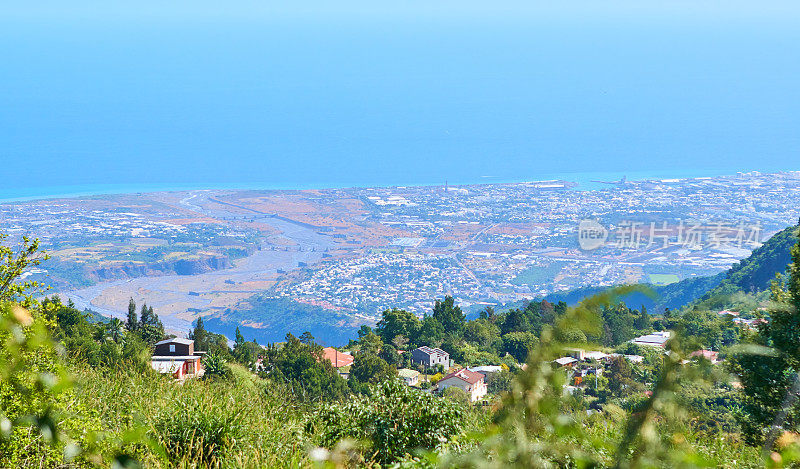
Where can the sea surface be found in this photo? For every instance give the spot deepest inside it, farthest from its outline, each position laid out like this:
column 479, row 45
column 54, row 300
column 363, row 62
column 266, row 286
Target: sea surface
column 584, row 181
column 102, row 97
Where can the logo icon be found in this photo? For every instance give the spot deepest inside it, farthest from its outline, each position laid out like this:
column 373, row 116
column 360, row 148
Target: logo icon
column 591, row 235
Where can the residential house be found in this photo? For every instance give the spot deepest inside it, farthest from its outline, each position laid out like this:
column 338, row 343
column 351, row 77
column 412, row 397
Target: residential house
column 430, row 357
column 656, row 339
column 177, row 357
column 471, row 382
column 338, row 359
column 567, row 362
column 485, row 370
column 576, row 353
column 595, row 355
column 410, row 377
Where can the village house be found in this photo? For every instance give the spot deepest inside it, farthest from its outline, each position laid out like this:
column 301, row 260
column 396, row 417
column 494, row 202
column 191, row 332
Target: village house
column 430, row 357
column 338, row 359
column 576, row 353
column 177, row 357
column 410, row 377
column 485, row 370
column 656, row 339
column 595, row 355
column 470, row 382
column 567, row 362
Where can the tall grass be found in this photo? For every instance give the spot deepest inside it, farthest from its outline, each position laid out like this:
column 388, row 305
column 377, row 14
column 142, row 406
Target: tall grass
column 244, row 423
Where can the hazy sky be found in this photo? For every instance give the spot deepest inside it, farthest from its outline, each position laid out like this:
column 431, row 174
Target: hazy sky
column 333, row 93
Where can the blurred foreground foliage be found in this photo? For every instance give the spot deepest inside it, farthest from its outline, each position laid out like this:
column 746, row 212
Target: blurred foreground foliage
column 77, row 394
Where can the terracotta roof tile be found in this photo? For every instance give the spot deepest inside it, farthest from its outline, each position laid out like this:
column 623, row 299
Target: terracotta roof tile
column 338, row 359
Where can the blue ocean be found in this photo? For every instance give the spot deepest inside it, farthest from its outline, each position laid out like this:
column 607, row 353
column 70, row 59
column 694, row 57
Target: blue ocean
column 101, row 97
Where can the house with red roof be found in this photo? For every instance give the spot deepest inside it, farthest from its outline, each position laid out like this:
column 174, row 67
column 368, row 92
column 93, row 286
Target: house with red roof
column 471, row 382
column 338, row 359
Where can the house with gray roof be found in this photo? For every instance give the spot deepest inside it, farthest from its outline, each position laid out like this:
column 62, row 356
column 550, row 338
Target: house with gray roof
column 430, row 357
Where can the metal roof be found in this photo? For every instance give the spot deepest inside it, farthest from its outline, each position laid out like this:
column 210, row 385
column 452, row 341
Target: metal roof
column 485, row 369
column 470, row 377
column 176, row 340
column 407, row 373
column 433, row 351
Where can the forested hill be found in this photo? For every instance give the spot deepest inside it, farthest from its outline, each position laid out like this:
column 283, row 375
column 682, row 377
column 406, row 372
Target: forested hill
column 755, row 273
column 750, row 275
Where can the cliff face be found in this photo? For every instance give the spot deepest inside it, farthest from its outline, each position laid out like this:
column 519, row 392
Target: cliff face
column 177, row 267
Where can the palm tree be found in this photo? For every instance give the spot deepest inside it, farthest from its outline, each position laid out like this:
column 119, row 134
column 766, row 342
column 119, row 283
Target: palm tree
column 116, row 329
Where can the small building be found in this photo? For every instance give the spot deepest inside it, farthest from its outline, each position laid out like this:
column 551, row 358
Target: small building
column 430, row 357
column 470, row 382
column 177, row 357
column 576, row 353
column 567, row 362
column 656, row 339
column 634, row 358
column 595, row 355
column 727, row 312
column 486, row 370
column 338, row 359
column 409, row 377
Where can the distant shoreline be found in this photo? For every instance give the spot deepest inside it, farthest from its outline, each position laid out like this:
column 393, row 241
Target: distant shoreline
column 585, row 181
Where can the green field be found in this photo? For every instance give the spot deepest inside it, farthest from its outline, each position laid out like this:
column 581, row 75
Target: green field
column 538, row 275
column 663, row 279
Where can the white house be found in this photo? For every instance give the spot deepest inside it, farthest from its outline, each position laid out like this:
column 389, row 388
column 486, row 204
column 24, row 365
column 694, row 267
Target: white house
column 410, row 377
column 470, row 382
column 656, row 339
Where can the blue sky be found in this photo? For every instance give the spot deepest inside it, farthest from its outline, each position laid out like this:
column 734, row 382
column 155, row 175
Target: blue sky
column 320, row 93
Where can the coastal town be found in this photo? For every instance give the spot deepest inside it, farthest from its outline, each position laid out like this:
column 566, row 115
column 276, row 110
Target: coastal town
column 359, row 251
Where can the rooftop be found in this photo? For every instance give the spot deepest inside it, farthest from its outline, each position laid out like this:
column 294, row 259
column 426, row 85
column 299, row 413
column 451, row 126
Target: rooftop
column 407, row 373
column 657, row 339
column 565, row 360
column 176, row 340
column 470, row 377
column 432, row 351
column 338, row 359
column 485, row 369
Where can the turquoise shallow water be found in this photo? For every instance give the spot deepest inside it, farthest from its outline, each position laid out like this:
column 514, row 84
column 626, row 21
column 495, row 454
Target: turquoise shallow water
column 99, row 98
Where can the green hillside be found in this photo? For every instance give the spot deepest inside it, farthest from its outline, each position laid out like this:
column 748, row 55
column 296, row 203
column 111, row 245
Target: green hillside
column 751, row 275
column 755, row 273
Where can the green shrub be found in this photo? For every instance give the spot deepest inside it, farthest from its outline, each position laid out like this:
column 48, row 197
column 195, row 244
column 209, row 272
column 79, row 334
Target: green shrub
column 216, row 368
column 392, row 422
column 456, row 395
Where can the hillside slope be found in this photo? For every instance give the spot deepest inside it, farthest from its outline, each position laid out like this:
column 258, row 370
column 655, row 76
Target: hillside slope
column 750, row 275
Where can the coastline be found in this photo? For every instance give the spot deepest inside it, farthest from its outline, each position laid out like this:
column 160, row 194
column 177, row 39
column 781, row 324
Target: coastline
column 584, row 180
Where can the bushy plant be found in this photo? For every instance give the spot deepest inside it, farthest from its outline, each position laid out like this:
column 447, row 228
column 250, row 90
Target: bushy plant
column 392, row 422
column 216, row 368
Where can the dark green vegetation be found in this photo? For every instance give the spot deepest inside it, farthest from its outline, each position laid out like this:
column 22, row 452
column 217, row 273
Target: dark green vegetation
column 274, row 317
column 76, row 392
